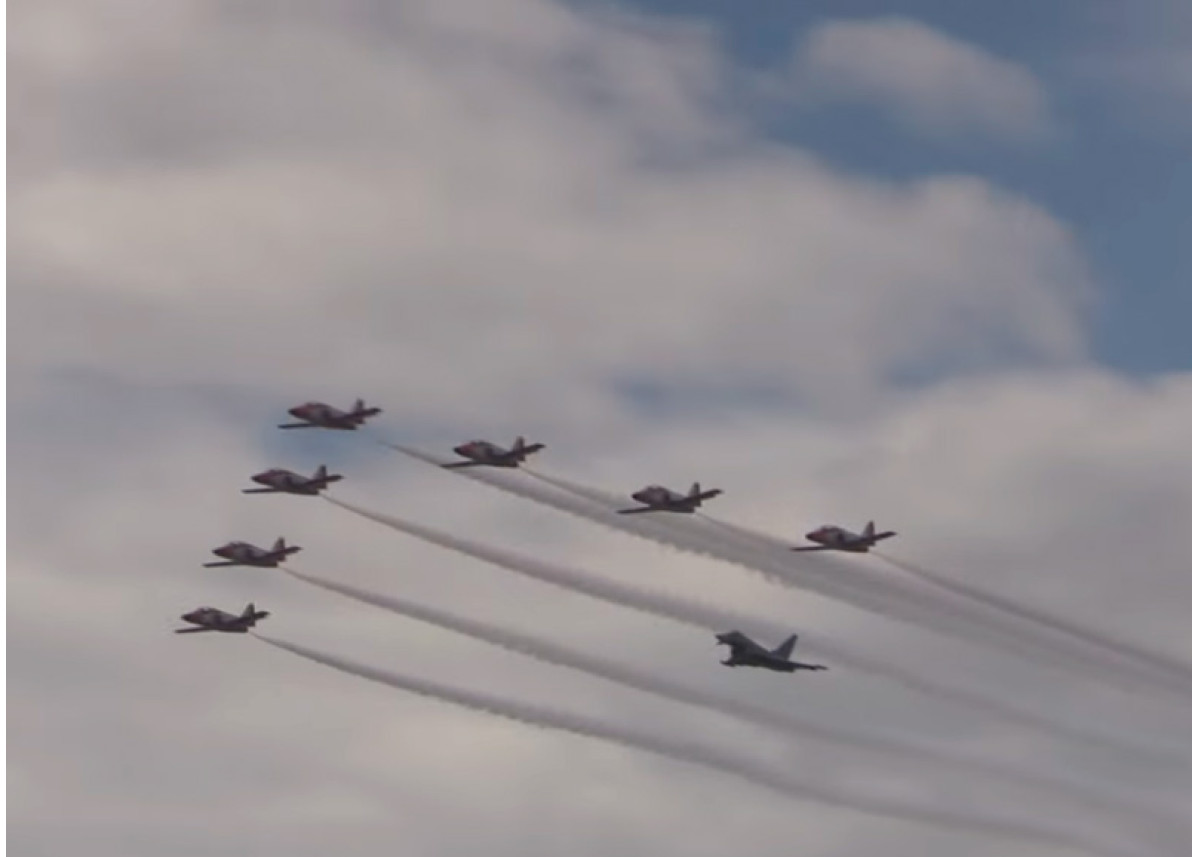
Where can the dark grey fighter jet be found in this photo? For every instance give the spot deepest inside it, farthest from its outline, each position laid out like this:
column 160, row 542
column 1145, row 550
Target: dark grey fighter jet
column 487, row 454
column 744, row 652
column 212, row 619
column 660, row 499
column 278, row 481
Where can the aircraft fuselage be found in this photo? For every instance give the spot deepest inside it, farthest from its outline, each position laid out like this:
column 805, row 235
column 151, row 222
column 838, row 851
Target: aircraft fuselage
column 772, row 664
column 488, row 454
column 246, row 554
column 321, row 415
column 287, row 482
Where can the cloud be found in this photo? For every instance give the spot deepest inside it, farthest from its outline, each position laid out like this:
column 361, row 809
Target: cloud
column 975, row 475
column 427, row 189
column 1137, row 56
column 930, row 82
column 220, row 210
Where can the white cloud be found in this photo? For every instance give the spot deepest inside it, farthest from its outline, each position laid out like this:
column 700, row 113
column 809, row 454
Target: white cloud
column 929, row 81
column 410, row 184
column 975, row 475
column 490, row 231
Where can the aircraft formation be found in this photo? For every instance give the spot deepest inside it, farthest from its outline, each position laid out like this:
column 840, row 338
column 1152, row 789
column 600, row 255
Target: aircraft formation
column 743, row 651
column 967, row 614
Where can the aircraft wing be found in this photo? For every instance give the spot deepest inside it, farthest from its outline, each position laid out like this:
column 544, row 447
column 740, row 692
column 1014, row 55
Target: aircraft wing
column 220, row 564
column 297, row 425
column 813, row 548
column 813, row 667
column 455, row 465
column 260, row 491
column 196, row 630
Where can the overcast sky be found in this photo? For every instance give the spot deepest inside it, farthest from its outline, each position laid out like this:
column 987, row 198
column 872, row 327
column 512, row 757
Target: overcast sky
column 929, row 269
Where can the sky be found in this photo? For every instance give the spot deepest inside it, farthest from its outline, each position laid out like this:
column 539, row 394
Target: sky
column 1117, row 168
column 927, row 267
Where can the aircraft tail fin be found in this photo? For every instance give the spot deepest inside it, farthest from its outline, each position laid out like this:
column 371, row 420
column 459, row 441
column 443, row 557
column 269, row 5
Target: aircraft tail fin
column 695, row 489
column 869, row 533
column 322, row 473
column 327, row 478
column 251, row 615
column 360, row 411
column 784, row 650
column 518, row 444
column 280, row 545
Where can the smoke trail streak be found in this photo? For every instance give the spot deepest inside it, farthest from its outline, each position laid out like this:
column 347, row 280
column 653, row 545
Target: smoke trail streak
column 1164, row 667
column 570, row 658
column 1019, row 630
column 705, row 543
column 701, row 615
column 837, row 579
column 894, row 594
column 694, row 753
column 1123, row 648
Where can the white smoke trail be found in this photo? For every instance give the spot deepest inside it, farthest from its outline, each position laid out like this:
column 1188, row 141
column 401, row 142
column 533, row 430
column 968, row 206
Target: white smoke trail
column 1022, row 631
column 843, row 581
column 706, row 544
column 1122, row 648
column 560, row 655
column 1166, row 669
column 699, row 754
column 698, row 614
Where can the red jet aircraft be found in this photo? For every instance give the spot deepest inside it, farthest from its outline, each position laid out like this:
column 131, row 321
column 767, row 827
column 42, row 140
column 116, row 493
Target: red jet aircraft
column 833, row 538
column 244, row 553
column 212, row 619
column 321, row 415
column 660, row 499
column 487, row 454
column 279, row 481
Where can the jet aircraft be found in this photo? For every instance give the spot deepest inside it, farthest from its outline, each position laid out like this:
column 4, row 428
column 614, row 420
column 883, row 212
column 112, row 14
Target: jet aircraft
column 833, row 538
column 244, row 553
column 660, row 499
column 744, row 652
column 279, row 481
column 487, row 454
column 321, row 415
column 212, row 619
